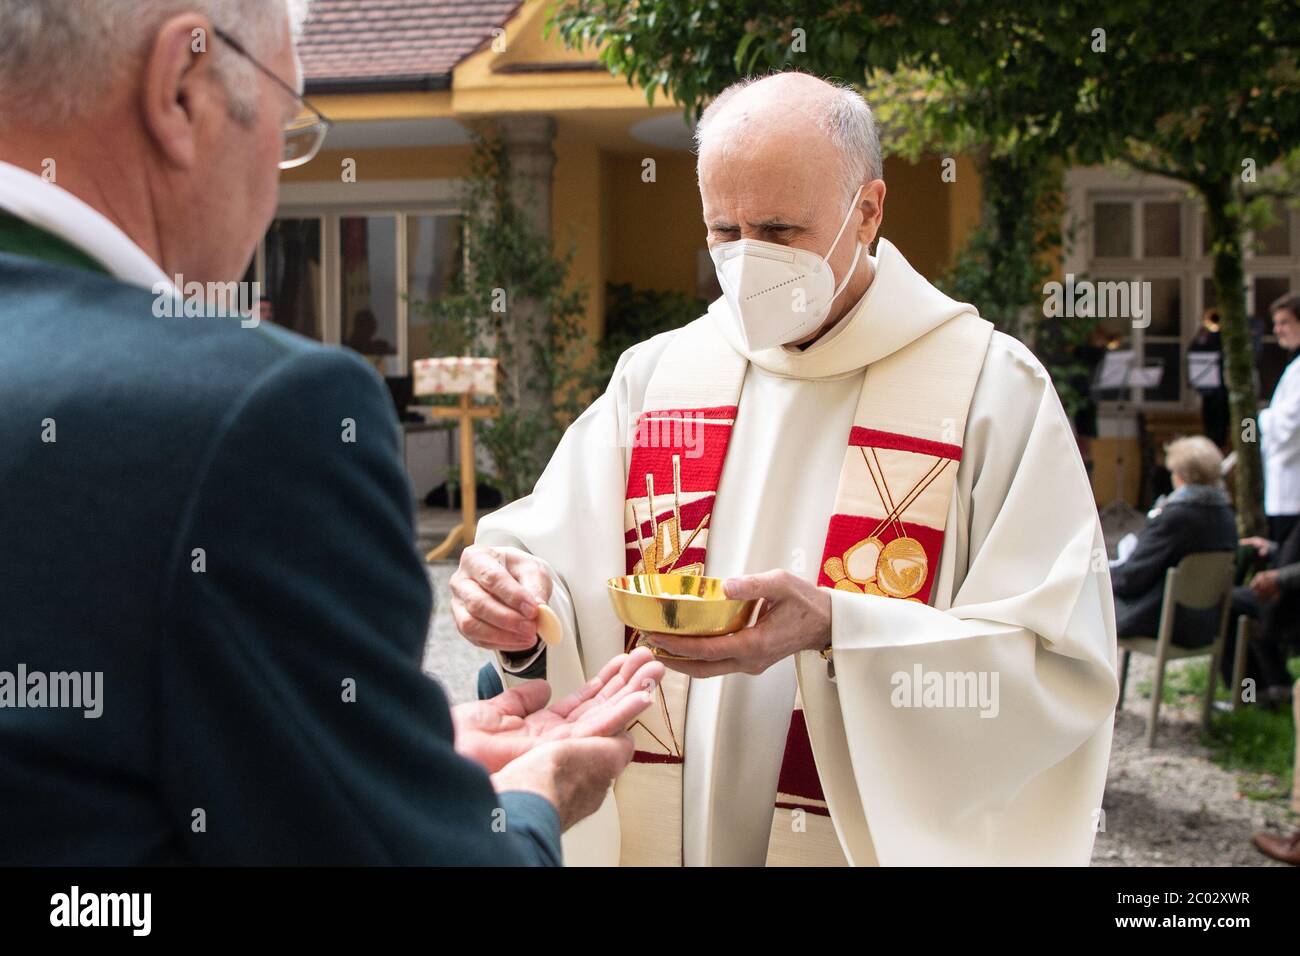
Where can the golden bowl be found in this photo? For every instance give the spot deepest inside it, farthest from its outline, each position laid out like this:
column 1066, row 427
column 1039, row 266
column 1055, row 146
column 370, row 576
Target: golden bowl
column 684, row 604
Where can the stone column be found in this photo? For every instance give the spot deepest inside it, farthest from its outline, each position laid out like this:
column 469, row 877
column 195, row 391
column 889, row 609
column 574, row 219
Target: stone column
column 529, row 141
column 530, row 157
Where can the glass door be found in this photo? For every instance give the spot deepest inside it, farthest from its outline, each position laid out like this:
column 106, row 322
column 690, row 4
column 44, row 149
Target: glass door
column 292, row 276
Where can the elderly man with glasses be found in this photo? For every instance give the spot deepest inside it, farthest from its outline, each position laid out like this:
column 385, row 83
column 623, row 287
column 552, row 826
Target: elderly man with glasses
column 205, row 519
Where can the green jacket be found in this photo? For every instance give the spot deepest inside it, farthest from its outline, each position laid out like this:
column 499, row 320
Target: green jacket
column 180, row 511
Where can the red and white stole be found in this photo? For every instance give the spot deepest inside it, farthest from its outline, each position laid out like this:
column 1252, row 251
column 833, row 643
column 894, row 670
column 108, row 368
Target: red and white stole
column 885, row 537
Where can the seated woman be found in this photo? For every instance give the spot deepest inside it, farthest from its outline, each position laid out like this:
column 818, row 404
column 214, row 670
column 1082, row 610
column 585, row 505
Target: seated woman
column 1196, row 516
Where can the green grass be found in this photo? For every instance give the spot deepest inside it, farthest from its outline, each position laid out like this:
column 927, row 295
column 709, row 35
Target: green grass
column 1183, row 681
column 1254, row 742
column 1259, row 746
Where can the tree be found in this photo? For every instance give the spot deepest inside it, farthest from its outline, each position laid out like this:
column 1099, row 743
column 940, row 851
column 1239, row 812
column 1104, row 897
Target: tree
column 1202, row 92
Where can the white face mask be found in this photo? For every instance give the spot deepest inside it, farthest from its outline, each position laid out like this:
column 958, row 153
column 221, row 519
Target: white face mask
column 779, row 294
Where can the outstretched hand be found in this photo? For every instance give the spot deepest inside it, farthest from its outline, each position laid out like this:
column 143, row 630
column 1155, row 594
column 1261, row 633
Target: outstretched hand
column 494, row 732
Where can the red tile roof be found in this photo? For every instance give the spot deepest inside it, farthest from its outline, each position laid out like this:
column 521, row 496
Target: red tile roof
column 399, row 44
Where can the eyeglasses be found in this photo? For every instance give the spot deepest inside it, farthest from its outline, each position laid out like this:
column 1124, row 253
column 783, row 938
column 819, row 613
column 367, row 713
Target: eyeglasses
column 303, row 136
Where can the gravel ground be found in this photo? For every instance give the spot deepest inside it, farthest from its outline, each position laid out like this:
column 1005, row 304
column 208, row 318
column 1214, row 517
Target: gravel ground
column 447, row 656
column 1170, row 806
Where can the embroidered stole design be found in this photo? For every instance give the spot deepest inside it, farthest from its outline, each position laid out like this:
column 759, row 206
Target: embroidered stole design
column 884, row 538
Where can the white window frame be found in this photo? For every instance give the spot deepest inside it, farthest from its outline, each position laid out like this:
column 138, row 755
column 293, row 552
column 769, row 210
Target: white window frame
column 1091, row 184
column 331, row 202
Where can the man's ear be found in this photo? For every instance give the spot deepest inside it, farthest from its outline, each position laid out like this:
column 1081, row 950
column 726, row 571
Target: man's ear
column 872, row 204
column 178, row 95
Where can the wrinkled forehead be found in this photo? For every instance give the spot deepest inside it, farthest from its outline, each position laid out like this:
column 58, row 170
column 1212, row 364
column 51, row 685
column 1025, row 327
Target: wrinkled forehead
column 770, row 166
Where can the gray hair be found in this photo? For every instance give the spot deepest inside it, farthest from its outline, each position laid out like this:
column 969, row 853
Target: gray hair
column 1196, row 460
column 845, row 117
column 57, row 57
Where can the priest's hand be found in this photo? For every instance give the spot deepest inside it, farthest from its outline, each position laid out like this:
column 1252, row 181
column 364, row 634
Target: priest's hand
column 496, row 731
column 494, row 597
column 796, row 617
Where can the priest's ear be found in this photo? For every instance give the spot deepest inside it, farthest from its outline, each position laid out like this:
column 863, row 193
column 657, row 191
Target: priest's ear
column 872, row 205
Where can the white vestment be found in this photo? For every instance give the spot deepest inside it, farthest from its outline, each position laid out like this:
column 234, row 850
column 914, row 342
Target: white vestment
column 1022, row 592
column 1279, row 427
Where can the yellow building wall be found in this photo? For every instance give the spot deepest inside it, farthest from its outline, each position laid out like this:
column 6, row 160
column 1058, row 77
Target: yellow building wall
column 578, row 224
column 524, row 42
column 347, row 107
column 657, row 227
column 925, row 217
column 964, row 198
column 489, row 81
column 409, row 162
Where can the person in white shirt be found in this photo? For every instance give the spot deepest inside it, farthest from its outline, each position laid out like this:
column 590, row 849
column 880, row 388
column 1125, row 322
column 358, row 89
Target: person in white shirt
column 1279, row 427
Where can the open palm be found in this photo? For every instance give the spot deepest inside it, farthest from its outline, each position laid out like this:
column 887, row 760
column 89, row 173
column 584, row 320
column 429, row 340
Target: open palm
column 495, row 731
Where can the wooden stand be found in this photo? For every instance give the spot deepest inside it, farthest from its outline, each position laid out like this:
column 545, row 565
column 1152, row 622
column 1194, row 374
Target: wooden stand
column 463, row 534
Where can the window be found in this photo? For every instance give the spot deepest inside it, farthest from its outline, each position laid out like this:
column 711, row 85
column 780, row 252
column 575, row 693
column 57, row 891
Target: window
column 350, row 276
column 369, row 292
column 1268, row 289
column 1276, row 239
column 1113, row 230
column 1162, row 230
column 1157, row 235
column 1140, row 239
column 291, row 275
column 433, row 259
column 1166, row 307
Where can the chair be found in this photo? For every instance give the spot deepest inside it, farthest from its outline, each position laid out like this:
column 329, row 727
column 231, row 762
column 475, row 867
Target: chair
column 1202, row 580
column 1239, row 657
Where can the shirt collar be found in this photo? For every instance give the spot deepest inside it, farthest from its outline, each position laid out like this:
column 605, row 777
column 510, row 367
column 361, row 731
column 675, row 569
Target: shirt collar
column 52, row 208
column 1198, row 494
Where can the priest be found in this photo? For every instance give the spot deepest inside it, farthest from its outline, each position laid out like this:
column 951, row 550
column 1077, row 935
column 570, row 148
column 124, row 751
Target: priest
column 931, row 676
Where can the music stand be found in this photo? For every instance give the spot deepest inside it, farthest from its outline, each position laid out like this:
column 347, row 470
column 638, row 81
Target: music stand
column 1203, row 370
column 1118, row 373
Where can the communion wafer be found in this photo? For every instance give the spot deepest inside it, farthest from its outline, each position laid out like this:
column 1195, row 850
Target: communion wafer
column 548, row 626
